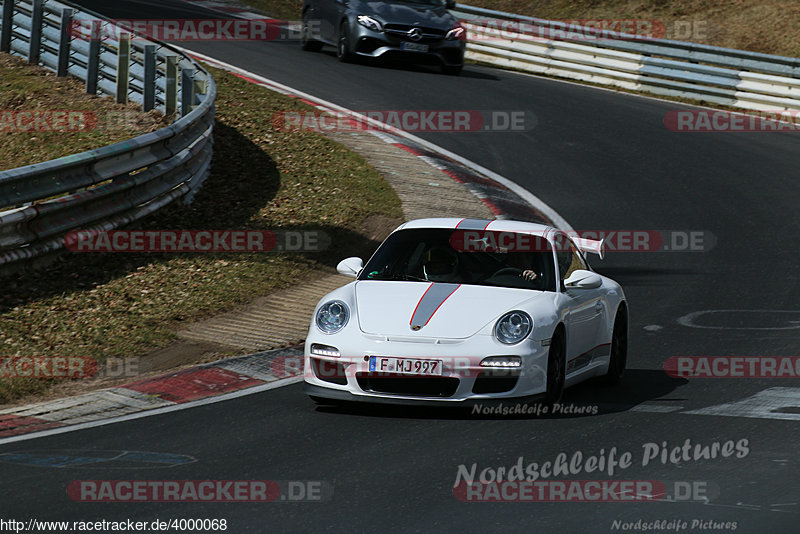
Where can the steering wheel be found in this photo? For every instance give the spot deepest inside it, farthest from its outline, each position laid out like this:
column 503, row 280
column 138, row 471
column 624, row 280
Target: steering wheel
column 514, row 271
column 508, row 270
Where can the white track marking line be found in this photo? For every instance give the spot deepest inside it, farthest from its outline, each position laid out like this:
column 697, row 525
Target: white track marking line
column 689, row 318
column 762, row 405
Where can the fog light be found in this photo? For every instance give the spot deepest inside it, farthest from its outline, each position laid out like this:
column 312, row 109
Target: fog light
column 325, row 350
column 502, row 361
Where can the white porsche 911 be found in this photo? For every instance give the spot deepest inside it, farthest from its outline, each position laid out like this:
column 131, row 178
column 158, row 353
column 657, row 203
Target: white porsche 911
column 464, row 310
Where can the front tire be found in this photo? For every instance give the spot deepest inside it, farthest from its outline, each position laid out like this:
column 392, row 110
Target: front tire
column 452, row 71
column 619, row 349
column 556, row 369
column 343, row 52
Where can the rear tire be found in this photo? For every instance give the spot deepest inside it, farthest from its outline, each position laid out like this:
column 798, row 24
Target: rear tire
column 619, row 349
column 556, row 369
column 306, row 40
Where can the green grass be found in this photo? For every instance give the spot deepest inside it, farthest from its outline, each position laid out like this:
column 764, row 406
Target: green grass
column 117, row 305
column 769, row 27
column 25, row 89
column 280, row 9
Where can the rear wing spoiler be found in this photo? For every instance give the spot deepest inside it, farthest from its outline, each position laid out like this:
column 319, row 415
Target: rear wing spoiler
column 591, row 245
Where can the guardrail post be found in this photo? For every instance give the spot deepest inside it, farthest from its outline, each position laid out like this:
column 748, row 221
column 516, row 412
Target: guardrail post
column 93, row 63
column 200, row 85
column 36, row 32
column 187, row 91
column 123, row 67
column 64, row 42
column 149, row 101
column 6, row 25
column 171, row 98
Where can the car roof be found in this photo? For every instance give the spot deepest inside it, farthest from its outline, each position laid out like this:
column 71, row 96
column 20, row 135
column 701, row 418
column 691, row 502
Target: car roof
column 500, row 225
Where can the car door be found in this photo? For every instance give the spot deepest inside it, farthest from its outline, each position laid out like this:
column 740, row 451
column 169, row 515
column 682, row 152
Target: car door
column 585, row 311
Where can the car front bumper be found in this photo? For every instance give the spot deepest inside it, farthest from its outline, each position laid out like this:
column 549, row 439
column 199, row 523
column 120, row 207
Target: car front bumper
column 348, row 377
column 369, row 43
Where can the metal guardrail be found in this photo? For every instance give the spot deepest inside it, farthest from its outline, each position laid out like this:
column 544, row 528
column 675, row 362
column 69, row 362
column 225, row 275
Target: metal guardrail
column 737, row 78
column 114, row 185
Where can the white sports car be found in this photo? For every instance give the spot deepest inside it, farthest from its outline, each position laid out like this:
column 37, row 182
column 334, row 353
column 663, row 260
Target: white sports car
column 465, row 310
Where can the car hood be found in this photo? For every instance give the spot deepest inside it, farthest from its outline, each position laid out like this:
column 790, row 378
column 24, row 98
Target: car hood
column 446, row 311
column 425, row 16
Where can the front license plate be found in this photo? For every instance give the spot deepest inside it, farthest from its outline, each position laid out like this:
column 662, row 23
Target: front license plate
column 415, row 47
column 405, row 366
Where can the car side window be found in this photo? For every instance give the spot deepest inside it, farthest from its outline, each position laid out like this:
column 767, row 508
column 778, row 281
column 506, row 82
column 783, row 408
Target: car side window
column 569, row 261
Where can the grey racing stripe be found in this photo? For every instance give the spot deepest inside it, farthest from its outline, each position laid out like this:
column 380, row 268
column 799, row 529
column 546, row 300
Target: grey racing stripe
column 434, row 297
column 473, row 224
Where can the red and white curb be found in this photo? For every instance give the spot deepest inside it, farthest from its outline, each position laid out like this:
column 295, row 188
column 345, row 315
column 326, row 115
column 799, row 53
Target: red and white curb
column 186, row 387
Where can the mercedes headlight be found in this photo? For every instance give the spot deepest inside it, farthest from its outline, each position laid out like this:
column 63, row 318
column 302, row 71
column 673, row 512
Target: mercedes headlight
column 332, row 316
column 459, row 32
column 369, row 22
column 513, row 327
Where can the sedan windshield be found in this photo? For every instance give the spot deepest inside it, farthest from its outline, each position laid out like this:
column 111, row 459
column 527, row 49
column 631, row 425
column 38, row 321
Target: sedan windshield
column 439, row 255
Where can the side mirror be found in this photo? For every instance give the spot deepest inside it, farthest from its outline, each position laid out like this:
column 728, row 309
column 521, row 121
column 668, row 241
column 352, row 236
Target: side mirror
column 350, row 266
column 450, row 4
column 582, row 279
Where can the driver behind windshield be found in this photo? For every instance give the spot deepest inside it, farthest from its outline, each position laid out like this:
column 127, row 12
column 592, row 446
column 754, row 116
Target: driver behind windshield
column 441, row 265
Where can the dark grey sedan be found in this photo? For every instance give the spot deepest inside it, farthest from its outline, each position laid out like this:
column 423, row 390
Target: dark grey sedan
column 418, row 31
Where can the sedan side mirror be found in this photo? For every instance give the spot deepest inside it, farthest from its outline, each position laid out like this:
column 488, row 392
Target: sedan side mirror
column 350, row 266
column 450, row 4
column 582, row 279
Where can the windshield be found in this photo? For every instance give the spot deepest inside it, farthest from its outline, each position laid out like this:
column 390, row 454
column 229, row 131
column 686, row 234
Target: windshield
column 435, row 255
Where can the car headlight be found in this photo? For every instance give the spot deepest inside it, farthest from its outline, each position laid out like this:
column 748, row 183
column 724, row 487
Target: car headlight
column 369, row 22
column 513, row 327
column 459, row 32
column 332, row 316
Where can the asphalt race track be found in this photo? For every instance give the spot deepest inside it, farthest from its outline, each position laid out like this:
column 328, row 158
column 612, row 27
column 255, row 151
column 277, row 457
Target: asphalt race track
column 604, row 161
